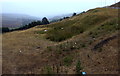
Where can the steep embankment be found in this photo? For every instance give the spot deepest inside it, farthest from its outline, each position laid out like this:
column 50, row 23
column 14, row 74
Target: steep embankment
column 58, row 47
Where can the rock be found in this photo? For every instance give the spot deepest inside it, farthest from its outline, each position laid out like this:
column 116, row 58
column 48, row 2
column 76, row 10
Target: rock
column 45, row 30
column 38, row 47
column 62, row 28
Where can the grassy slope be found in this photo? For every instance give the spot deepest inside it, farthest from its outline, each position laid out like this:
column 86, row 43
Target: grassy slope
column 116, row 5
column 84, row 22
column 29, row 51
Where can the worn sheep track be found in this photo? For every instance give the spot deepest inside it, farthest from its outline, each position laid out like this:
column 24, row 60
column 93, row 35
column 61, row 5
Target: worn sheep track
column 105, row 41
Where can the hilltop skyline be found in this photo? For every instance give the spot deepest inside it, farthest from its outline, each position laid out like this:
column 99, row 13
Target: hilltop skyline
column 49, row 8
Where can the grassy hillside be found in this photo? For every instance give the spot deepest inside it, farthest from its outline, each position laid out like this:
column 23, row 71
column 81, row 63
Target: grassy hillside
column 85, row 42
column 81, row 23
column 116, row 4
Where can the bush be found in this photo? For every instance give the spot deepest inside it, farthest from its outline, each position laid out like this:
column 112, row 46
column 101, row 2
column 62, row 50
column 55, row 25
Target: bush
column 4, row 29
column 83, row 45
column 30, row 25
column 48, row 70
column 67, row 60
column 74, row 14
column 78, row 67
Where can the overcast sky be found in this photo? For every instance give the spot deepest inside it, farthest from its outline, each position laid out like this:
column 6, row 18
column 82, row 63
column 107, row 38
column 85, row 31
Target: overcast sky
column 41, row 8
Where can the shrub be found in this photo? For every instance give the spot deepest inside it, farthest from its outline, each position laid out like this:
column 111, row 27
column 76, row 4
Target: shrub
column 74, row 14
column 30, row 25
column 4, row 29
column 67, row 60
column 90, row 33
column 83, row 45
column 78, row 67
column 48, row 70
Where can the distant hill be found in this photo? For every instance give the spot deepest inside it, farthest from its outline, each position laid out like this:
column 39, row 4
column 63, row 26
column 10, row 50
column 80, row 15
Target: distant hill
column 58, row 17
column 16, row 20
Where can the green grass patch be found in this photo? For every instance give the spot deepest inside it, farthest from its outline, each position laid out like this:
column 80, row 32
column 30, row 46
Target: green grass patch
column 48, row 70
column 68, row 28
column 40, row 32
column 60, row 34
column 78, row 67
column 67, row 61
column 108, row 27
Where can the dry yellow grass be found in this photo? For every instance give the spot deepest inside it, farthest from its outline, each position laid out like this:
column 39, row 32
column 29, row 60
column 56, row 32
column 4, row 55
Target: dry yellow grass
column 22, row 48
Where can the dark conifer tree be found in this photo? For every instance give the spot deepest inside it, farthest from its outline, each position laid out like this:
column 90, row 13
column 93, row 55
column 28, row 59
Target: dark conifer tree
column 5, row 29
column 74, row 14
column 45, row 21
